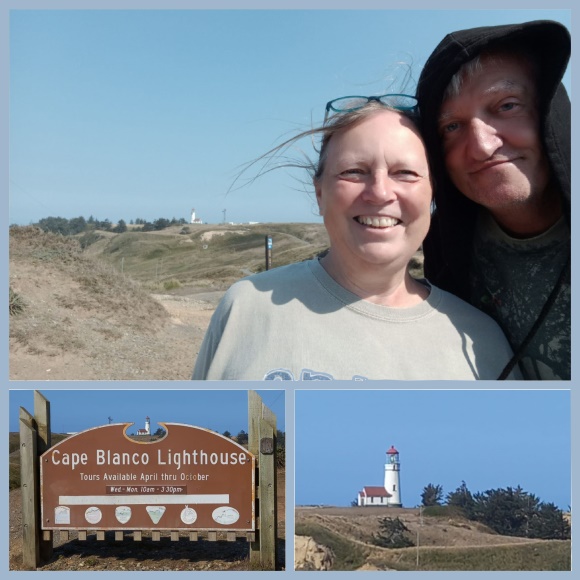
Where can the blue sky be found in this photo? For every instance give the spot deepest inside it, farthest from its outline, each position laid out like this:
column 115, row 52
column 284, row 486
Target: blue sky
column 489, row 438
column 141, row 113
column 77, row 410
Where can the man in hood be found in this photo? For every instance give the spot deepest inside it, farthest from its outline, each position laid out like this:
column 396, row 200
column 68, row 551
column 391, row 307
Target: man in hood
column 496, row 121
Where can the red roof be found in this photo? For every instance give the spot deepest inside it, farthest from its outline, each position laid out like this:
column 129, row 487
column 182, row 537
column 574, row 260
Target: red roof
column 375, row 491
column 392, row 451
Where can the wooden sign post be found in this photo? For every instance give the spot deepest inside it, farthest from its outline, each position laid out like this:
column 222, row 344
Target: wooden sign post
column 262, row 443
column 34, row 440
column 193, row 479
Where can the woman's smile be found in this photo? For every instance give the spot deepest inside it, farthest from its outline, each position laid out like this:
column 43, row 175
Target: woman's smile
column 377, row 222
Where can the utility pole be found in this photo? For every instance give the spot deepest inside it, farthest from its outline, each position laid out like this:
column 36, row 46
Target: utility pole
column 224, row 212
column 418, row 528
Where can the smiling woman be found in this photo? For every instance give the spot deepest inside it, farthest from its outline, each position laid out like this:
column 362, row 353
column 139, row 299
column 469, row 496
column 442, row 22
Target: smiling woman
column 374, row 193
column 356, row 313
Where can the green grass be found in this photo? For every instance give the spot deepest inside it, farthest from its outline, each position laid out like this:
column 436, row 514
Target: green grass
column 348, row 556
column 228, row 254
column 171, row 284
column 550, row 555
column 443, row 511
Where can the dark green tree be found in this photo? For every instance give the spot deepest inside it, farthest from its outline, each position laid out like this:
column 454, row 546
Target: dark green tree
column 549, row 523
column 280, row 448
column 57, row 225
column 462, row 499
column 121, row 227
column 242, row 437
column 432, row 495
column 280, row 439
column 227, row 434
column 506, row 511
column 161, row 223
column 393, row 533
column 105, row 225
column 77, row 225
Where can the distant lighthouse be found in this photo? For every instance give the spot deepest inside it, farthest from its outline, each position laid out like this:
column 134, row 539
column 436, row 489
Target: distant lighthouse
column 392, row 477
column 388, row 495
column 192, row 221
column 147, row 429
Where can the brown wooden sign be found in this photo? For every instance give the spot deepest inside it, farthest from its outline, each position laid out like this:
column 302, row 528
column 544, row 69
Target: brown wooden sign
column 192, row 479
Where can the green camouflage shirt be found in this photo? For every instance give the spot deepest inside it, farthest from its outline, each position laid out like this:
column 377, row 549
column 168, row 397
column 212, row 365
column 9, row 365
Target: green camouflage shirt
column 511, row 281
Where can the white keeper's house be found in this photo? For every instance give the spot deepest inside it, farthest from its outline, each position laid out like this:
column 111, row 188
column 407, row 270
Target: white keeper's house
column 390, row 494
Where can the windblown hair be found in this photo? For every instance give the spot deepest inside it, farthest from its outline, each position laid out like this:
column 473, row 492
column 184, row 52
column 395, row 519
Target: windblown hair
column 278, row 157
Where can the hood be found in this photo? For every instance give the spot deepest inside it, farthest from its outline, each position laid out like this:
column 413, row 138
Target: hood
column 549, row 45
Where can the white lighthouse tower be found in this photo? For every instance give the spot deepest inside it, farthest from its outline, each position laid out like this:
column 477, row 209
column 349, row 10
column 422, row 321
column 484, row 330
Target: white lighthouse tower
column 392, row 478
column 192, row 221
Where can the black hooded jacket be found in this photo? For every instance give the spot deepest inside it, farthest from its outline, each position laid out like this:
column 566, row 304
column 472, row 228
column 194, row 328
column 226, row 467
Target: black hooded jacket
column 447, row 248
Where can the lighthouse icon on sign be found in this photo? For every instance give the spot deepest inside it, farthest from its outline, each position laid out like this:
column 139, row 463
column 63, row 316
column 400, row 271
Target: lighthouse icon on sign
column 392, row 477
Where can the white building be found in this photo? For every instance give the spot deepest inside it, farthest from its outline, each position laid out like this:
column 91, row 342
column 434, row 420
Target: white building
column 390, row 494
column 193, row 219
column 147, row 430
column 373, row 495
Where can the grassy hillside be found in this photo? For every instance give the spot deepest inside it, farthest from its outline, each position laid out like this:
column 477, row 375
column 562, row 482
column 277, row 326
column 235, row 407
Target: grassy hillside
column 136, row 305
column 73, row 316
column 213, row 255
column 452, row 543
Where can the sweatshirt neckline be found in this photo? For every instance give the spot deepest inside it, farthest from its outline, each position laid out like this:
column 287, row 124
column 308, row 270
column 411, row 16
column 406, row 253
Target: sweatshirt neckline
column 378, row 311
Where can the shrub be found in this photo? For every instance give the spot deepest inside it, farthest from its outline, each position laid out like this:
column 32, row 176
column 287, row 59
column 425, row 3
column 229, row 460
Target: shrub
column 393, row 533
column 16, row 304
column 280, row 457
column 171, row 284
column 89, row 238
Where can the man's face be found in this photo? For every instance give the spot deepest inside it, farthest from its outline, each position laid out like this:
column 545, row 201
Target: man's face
column 490, row 136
